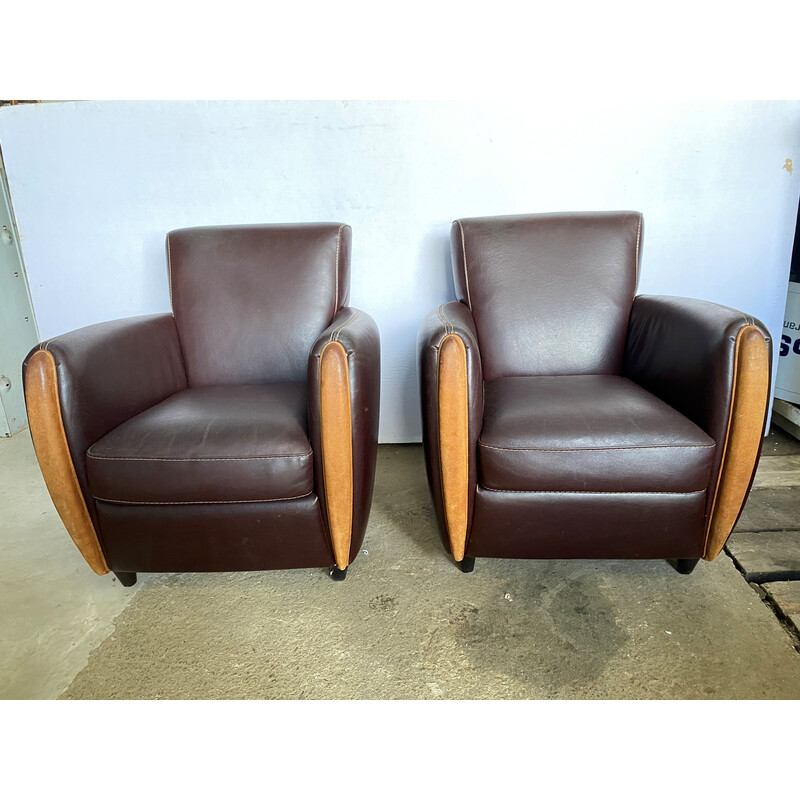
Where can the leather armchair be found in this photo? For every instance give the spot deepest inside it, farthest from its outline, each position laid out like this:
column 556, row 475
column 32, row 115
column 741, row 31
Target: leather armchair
column 566, row 417
column 238, row 432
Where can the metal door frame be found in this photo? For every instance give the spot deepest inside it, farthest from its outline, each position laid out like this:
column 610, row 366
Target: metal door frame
column 6, row 198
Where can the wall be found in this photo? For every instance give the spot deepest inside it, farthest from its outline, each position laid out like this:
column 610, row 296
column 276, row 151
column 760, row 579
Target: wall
column 97, row 185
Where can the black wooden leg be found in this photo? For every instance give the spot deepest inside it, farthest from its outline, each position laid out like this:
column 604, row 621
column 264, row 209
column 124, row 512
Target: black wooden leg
column 338, row 574
column 126, row 578
column 684, row 565
column 466, row 564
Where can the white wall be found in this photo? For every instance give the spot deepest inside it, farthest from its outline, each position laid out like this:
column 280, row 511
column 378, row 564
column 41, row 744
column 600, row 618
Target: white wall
column 97, row 185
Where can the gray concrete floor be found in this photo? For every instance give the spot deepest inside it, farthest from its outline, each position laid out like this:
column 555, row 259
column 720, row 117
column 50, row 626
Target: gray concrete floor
column 53, row 609
column 405, row 623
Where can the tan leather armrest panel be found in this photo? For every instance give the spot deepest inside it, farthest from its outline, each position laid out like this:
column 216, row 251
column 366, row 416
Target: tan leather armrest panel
column 749, row 399
column 55, row 461
column 454, row 439
column 336, row 431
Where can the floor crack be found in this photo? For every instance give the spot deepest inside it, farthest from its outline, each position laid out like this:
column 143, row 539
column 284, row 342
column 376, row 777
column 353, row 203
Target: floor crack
column 786, row 623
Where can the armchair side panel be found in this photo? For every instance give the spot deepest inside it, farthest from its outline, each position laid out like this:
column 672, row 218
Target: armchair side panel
column 344, row 371
column 453, row 407
column 336, row 433
column 451, row 395
column 746, row 422
column 52, row 452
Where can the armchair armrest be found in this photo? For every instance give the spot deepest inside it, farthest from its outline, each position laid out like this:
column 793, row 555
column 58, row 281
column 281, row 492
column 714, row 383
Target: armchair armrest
column 81, row 385
column 713, row 364
column 344, row 373
column 451, row 385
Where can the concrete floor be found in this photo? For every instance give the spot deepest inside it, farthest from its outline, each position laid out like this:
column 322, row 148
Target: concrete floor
column 53, row 609
column 405, row 623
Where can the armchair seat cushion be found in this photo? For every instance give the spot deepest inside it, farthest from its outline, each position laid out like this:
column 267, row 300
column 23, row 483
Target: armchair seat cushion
column 218, row 444
column 588, row 433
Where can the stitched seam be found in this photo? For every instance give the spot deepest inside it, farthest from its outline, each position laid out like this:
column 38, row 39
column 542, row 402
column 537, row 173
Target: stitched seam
column 336, row 291
column 545, row 491
column 223, row 458
column 638, row 239
column 600, row 449
column 174, row 318
column 195, row 502
column 333, row 334
column 169, row 270
column 334, row 337
column 464, row 252
column 347, row 324
column 448, row 328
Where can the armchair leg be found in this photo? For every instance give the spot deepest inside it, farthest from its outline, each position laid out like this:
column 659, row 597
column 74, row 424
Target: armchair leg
column 338, row 574
column 126, row 578
column 683, row 565
column 467, row 564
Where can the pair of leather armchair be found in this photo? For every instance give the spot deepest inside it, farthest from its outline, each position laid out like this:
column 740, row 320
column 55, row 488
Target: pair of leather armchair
column 563, row 417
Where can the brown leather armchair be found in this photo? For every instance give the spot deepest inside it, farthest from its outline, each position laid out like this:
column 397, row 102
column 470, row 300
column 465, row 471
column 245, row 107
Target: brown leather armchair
column 566, row 417
column 238, row 432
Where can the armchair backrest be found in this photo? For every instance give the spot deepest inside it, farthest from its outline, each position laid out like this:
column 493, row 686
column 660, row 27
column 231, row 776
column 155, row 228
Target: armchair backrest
column 550, row 293
column 250, row 300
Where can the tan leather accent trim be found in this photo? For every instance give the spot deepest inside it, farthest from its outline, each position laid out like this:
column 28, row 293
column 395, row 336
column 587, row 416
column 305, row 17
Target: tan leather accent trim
column 55, row 461
column 749, row 399
column 336, row 428
column 454, row 439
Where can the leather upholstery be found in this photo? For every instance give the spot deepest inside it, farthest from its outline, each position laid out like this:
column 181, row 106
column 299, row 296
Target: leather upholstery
column 213, row 538
column 250, row 300
column 684, row 351
column 186, row 433
column 450, row 319
column 358, row 335
column 215, row 444
column 601, row 425
column 108, row 373
column 587, row 525
column 550, row 293
column 588, row 432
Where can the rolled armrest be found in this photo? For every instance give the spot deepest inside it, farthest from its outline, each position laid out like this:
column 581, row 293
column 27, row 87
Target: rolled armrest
column 451, row 386
column 344, row 373
column 81, row 385
column 713, row 364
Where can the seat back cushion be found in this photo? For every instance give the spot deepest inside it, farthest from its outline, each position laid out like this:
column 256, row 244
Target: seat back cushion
column 250, row 300
column 550, row 293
